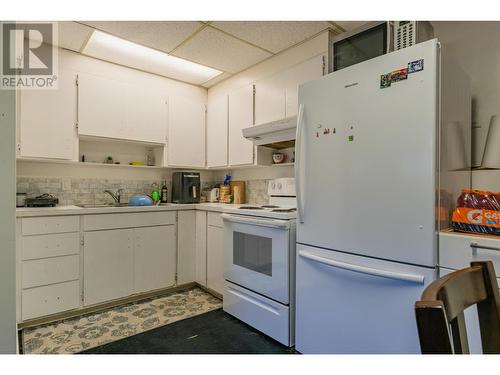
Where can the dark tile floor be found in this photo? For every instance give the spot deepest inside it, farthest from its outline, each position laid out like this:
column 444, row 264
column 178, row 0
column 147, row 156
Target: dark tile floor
column 214, row 332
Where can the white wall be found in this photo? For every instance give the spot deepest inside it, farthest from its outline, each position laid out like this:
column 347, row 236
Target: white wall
column 7, row 222
column 476, row 47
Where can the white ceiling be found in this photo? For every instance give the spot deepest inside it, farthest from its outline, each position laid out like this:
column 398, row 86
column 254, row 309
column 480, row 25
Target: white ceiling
column 229, row 46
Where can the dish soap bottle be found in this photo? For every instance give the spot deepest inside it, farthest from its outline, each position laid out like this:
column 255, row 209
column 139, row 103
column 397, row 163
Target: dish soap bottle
column 164, row 192
column 155, row 192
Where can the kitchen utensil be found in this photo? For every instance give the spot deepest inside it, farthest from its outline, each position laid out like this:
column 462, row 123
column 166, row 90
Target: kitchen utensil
column 213, row 195
column 141, row 200
column 224, row 194
column 278, row 157
column 186, row 187
column 238, row 194
column 20, row 199
column 44, row 200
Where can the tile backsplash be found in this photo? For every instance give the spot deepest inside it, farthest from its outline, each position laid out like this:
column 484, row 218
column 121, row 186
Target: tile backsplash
column 256, row 192
column 91, row 191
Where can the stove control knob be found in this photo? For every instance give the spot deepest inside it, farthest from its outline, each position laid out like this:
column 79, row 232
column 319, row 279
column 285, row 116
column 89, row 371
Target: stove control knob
column 273, row 186
column 279, row 186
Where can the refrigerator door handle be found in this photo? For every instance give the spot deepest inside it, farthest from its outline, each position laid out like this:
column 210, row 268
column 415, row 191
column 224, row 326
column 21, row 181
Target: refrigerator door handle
column 298, row 164
column 419, row 279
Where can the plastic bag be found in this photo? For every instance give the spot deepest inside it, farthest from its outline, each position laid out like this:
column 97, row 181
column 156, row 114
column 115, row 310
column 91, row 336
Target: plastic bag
column 477, row 212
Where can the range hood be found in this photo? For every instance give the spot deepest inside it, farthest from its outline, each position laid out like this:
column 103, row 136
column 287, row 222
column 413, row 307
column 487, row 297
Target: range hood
column 277, row 134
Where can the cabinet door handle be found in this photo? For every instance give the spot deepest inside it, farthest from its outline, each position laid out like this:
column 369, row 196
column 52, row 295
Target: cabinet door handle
column 475, row 246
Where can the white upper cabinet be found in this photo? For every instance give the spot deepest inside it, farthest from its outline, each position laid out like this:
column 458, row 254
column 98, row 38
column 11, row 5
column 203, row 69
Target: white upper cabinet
column 186, row 129
column 307, row 71
column 47, row 121
column 241, row 105
column 270, row 99
column 115, row 109
column 217, row 131
column 276, row 97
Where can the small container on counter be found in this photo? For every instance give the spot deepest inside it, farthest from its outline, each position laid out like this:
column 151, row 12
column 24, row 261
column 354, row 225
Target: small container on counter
column 20, row 199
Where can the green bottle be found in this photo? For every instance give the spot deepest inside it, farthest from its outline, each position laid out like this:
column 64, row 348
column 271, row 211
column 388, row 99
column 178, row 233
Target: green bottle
column 155, row 192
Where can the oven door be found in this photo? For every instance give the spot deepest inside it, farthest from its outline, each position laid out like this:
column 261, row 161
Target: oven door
column 256, row 255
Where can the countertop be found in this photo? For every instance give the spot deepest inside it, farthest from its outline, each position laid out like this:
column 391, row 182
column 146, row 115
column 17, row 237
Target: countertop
column 75, row 210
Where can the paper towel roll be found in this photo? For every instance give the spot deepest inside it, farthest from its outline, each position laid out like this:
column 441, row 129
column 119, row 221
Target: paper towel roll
column 491, row 156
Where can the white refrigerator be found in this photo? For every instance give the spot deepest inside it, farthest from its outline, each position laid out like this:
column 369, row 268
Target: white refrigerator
column 376, row 144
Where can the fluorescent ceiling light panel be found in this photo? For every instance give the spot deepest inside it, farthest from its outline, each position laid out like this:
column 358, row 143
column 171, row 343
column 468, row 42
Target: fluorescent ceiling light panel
column 120, row 51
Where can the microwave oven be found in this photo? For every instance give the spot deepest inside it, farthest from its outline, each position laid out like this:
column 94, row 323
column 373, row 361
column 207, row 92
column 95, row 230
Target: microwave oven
column 374, row 39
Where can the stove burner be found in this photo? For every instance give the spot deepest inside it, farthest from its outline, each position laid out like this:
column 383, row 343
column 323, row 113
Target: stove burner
column 250, row 208
column 284, row 210
column 270, row 206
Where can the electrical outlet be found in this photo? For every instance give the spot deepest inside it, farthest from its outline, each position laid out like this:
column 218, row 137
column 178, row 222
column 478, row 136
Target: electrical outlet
column 66, row 183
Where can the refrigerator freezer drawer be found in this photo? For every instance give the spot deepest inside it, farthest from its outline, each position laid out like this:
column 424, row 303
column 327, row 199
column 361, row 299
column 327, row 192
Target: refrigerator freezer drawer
column 349, row 304
column 267, row 316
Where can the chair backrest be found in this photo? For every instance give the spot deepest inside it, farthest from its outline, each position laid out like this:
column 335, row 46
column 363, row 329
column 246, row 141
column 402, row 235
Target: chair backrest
column 440, row 312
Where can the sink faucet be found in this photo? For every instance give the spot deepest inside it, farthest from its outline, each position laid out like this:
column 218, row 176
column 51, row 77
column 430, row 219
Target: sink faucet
column 116, row 196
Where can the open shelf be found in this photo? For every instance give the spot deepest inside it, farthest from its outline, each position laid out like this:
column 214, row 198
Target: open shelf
column 96, row 151
column 85, row 164
column 283, row 165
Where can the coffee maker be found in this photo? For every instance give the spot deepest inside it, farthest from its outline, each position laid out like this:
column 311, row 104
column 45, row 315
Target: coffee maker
column 185, row 187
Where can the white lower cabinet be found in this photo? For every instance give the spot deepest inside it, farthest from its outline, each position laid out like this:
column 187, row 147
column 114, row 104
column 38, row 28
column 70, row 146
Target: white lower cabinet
column 121, row 262
column 48, row 265
column 108, row 265
column 215, row 254
column 201, row 248
column 122, row 254
column 50, row 299
column 186, row 244
column 154, row 258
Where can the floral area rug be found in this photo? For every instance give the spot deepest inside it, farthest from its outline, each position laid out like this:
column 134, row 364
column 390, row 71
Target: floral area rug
column 77, row 334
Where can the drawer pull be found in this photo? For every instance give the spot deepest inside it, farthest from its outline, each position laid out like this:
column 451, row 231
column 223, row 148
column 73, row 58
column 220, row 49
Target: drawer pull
column 475, row 246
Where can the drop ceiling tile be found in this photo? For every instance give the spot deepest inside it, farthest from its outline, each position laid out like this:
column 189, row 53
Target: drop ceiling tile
column 274, row 36
column 216, row 80
column 220, row 51
column 161, row 35
column 72, row 35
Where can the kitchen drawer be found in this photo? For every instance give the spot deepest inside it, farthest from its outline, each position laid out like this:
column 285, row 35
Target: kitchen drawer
column 266, row 315
column 50, row 271
column 455, row 250
column 53, row 224
column 50, row 245
column 50, row 299
column 215, row 219
column 128, row 220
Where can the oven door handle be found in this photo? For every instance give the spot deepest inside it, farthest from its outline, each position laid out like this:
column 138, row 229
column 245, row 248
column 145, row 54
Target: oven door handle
column 271, row 223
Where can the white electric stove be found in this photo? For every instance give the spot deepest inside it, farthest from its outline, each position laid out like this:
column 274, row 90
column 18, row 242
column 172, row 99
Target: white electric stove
column 259, row 251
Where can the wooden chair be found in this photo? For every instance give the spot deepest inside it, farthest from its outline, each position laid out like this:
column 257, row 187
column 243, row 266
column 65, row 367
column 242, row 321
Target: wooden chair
column 440, row 312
